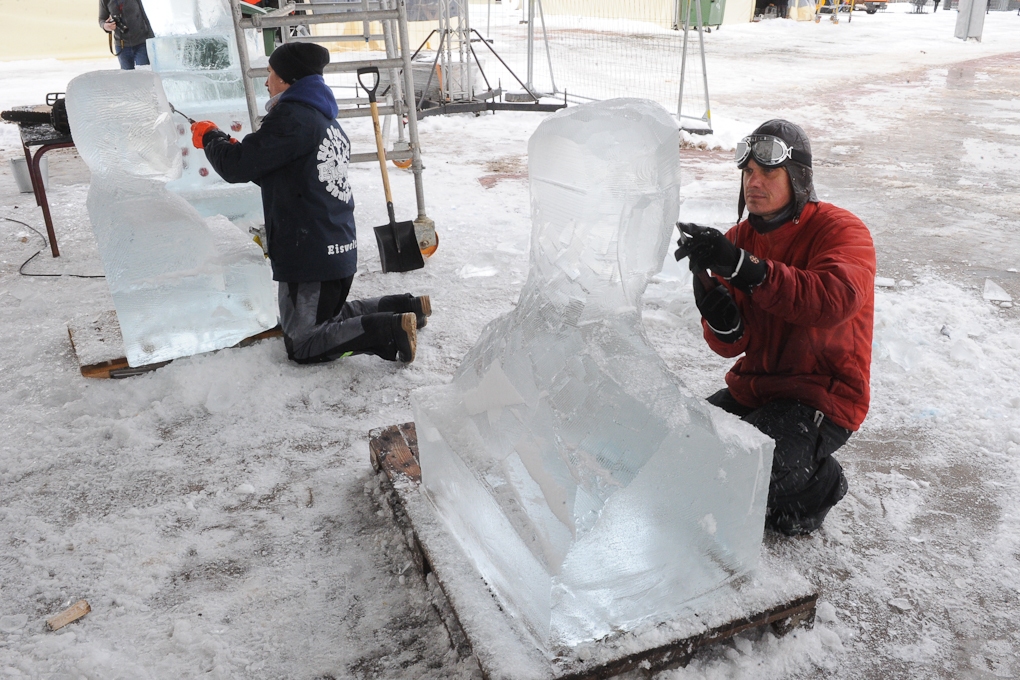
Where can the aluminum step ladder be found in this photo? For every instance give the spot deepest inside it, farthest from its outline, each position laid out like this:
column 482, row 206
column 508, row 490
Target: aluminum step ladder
column 392, row 15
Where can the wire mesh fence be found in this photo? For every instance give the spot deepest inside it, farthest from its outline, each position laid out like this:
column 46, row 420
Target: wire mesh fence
column 590, row 49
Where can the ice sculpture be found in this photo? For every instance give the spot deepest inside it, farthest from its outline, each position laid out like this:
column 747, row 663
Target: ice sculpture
column 195, row 54
column 183, row 17
column 590, row 488
column 181, row 284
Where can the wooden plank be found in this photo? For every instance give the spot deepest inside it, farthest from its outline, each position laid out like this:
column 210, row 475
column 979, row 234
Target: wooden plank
column 776, row 597
column 69, row 615
column 274, row 332
column 99, row 347
column 394, row 450
column 96, row 340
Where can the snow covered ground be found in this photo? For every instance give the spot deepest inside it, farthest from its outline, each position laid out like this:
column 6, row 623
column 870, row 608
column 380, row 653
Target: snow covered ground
column 221, row 516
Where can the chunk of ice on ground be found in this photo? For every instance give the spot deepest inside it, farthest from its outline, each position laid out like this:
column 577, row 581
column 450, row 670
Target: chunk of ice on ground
column 587, row 484
column 180, row 284
column 995, row 293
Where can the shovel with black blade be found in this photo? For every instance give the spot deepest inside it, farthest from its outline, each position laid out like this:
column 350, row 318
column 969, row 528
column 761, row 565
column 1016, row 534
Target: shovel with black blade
column 398, row 244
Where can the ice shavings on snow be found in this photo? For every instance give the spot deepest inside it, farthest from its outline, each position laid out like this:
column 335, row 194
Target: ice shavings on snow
column 939, row 335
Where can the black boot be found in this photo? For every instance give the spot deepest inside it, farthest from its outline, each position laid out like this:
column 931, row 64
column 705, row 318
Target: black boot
column 801, row 525
column 405, row 335
column 421, row 306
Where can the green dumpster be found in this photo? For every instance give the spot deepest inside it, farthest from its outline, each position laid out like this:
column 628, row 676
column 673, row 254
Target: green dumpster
column 711, row 12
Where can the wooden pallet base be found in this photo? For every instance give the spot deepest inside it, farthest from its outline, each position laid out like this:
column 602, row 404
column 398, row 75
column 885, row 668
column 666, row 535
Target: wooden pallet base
column 99, row 347
column 775, row 597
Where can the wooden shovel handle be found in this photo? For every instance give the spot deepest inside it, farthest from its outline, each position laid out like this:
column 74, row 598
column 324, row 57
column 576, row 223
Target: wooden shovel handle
column 378, row 133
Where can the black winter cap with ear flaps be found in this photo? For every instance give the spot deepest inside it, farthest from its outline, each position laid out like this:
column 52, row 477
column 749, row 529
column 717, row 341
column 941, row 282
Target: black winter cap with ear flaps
column 801, row 176
column 294, row 61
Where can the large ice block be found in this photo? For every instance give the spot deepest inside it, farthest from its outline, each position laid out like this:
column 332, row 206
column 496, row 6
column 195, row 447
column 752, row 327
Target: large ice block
column 592, row 490
column 181, row 17
column 181, row 284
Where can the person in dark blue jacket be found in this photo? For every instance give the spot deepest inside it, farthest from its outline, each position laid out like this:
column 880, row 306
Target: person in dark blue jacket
column 299, row 158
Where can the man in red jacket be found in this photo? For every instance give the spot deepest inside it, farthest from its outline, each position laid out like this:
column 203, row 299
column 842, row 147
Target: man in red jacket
column 792, row 289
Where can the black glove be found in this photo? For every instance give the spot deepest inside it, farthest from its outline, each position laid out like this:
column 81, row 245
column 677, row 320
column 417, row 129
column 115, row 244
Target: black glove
column 718, row 308
column 708, row 248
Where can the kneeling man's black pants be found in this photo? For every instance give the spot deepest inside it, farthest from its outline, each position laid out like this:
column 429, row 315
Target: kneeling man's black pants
column 321, row 324
column 806, row 479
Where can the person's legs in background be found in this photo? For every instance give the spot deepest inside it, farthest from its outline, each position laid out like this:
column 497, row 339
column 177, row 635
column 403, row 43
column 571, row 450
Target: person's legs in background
column 141, row 55
column 126, row 57
column 135, row 55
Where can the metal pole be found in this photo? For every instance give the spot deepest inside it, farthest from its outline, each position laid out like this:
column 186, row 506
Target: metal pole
column 467, row 66
column 704, row 69
column 444, row 54
column 412, row 126
column 548, row 54
column 244, row 58
column 531, row 45
column 365, row 26
column 683, row 66
column 432, row 72
column 397, row 87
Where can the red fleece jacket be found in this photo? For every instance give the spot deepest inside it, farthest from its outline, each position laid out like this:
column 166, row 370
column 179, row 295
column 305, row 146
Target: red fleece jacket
column 808, row 326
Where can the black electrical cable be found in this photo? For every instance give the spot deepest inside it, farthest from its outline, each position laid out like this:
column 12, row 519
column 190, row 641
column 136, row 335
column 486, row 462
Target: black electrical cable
column 21, row 269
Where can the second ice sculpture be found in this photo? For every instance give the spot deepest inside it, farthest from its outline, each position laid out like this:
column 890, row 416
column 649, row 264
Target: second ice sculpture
column 195, row 54
column 181, row 284
column 589, row 487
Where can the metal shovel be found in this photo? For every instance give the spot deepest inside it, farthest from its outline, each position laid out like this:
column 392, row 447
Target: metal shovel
column 398, row 244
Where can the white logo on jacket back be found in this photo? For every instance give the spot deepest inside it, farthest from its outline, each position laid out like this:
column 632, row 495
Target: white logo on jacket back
column 335, row 154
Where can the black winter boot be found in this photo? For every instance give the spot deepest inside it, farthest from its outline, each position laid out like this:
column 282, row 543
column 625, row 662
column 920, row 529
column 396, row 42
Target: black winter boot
column 421, row 306
column 801, row 525
column 405, row 334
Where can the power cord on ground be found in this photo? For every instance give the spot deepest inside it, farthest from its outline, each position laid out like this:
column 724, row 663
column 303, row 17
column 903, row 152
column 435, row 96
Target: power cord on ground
column 21, row 269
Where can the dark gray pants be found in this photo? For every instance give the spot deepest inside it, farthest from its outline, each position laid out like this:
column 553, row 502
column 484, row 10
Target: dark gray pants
column 320, row 324
column 806, row 480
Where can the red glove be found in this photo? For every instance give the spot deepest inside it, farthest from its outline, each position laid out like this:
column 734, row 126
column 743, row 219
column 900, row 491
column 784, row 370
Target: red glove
column 199, row 130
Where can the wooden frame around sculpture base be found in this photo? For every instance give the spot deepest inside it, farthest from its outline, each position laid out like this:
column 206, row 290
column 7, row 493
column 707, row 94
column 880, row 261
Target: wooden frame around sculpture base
column 99, row 347
column 775, row 597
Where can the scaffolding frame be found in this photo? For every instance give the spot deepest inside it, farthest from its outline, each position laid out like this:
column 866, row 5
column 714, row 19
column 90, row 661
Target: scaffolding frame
column 392, row 15
column 456, row 54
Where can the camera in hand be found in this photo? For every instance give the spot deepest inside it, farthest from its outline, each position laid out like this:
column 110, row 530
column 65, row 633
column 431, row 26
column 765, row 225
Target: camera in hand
column 119, row 20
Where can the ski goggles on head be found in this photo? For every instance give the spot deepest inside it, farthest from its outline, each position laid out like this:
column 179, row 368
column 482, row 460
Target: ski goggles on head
column 768, row 151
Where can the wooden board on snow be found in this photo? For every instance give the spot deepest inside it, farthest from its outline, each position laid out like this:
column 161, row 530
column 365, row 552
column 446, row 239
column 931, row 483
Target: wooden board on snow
column 99, row 346
column 774, row 597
